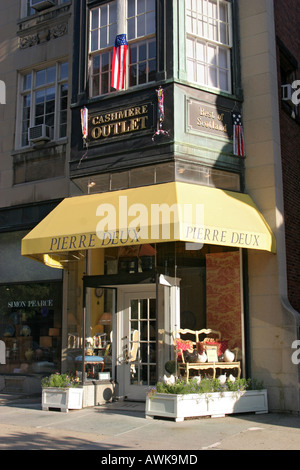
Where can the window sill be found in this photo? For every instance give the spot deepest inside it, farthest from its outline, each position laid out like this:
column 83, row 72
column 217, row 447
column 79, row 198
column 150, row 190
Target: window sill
column 37, row 148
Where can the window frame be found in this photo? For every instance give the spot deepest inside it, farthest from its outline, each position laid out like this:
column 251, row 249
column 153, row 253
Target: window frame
column 31, row 91
column 95, row 78
column 27, row 11
column 193, row 37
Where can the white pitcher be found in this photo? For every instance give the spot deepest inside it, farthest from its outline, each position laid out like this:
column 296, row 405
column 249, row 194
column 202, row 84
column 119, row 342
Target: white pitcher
column 228, row 356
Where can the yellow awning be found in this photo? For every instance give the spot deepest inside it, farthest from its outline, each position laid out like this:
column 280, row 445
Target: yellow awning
column 148, row 214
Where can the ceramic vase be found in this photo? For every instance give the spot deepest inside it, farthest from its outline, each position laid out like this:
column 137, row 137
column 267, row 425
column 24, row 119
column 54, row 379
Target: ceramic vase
column 228, row 356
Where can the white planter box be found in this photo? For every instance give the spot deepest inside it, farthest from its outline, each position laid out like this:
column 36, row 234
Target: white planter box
column 63, row 398
column 211, row 404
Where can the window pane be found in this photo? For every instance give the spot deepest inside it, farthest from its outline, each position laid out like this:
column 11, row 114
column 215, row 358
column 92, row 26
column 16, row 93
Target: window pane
column 223, row 34
column 152, row 71
column 131, row 28
column 133, row 76
column 49, row 120
column 50, row 107
column 50, row 93
column 103, row 37
column 201, row 73
column 27, row 82
column 40, row 78
column 152, row 49
column 200, row 51
column 105, row 62
column 39, row 109
column 133, row 54
column 222, row 12
column 112, row 34
column 150, row 5
column 141, row 26
column 142, row 52
column 40, row 96
column 103, row 16
column 130, row 8
column 223, row 58
column 96, row 64
column 212, row 77
column 51, row 74
column 141, row 7
column 142, row 73
column 113, row 12
column 64, row 70
column 95, row 85
column 94, row 40
column 190, row 48
column 94, row 19
column 104, row 83
column 190, row 71
column 224, row 84
column 150, row 22
column 212, row 55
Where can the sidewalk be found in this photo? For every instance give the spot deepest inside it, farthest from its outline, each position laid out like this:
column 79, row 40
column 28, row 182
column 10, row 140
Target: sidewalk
column 122, row 426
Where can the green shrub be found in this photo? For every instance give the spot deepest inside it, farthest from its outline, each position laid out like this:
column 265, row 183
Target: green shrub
column 59, row 381
column 206, row 385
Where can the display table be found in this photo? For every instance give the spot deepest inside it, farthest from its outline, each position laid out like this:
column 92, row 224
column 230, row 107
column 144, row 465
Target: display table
column 187, row 366
column 90, row 364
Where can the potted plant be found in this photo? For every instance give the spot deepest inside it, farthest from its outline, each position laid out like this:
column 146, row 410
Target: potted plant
column 179, row 399
column 61, row 391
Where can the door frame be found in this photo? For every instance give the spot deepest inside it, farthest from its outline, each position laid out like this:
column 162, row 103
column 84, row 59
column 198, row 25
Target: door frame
column 121, row 366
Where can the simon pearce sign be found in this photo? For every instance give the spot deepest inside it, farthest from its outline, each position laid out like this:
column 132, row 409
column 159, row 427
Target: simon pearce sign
column 208, row 118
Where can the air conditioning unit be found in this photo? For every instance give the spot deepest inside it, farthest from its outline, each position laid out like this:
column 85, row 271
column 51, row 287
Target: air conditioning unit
column 40, row 133
column 42, row 4
column 286, row 93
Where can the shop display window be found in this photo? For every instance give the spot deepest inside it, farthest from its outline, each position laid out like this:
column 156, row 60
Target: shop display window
column 30, row 327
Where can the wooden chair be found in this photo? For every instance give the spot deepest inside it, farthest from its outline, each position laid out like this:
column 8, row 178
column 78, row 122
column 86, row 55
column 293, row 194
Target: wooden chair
column 189, row 345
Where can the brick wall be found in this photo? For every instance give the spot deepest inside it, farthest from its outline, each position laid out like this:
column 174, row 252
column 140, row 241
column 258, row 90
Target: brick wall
column 287, row 19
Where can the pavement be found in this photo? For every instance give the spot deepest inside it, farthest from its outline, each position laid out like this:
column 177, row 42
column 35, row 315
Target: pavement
column 121, row 428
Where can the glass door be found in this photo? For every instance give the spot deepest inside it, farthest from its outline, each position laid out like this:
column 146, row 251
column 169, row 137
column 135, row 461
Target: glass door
column 139, row 342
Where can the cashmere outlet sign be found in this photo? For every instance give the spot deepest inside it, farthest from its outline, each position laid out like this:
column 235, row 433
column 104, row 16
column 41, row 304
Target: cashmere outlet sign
column 120, row 122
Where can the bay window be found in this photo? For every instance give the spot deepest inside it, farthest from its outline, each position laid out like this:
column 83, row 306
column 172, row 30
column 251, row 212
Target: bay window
column 209, row 43
column 138, row 23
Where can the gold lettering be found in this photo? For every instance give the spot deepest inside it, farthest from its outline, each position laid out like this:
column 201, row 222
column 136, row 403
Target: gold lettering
column 117, row 122
column 96, row 132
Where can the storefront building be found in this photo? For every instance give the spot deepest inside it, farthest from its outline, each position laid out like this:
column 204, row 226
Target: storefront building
column 36, row 70
column 178, row 217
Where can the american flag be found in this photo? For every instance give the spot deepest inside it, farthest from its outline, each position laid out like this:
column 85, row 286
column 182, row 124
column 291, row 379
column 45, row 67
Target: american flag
column 119, row 62
column 238, row 134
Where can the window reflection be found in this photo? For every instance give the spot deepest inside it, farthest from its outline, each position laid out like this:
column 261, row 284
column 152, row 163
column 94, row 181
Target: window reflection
column 30, row 326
